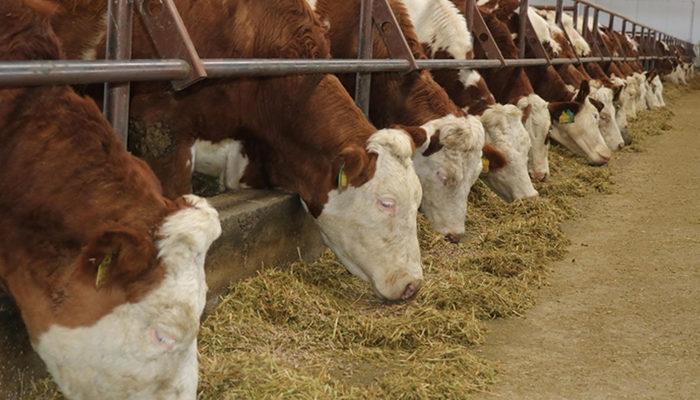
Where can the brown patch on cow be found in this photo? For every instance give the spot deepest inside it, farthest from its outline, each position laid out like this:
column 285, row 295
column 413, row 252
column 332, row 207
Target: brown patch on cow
column 597, row 104
column 69, row 194
column 497, row 159
column 434, row 145
column 583, row 91
column 617, row 90
column 526, row 112
column 557, row 108
column 417, row 134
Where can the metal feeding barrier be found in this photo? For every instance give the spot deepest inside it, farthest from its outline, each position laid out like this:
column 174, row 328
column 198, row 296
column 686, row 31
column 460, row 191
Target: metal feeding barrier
column 181, row 64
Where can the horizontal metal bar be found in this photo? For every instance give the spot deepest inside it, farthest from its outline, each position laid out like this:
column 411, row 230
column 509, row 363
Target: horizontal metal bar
column 14, row 73
column 29, row 73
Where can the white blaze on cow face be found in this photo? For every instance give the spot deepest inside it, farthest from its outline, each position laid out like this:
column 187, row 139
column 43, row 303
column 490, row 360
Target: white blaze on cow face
column 583, row 136
column 372, row 228
column 642, row 88
column 144, row 350
column 225, row 160
column 629, row 97
column 658, row 89
column 537, row 125
column 448, row 174
column 624, row 102
column 505, row 131
column 608, row 119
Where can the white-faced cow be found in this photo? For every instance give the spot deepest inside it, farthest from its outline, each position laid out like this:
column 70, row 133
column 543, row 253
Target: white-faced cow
column 108, row 273
column 300, row 133
column 443, row 32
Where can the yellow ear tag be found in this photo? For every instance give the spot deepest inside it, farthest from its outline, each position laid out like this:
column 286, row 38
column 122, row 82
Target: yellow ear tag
column 567, row 117
column 102, row 271
column 485, row 164
column 342, row 178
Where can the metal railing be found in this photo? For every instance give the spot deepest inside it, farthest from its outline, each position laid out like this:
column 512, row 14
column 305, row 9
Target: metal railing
column 119, row 70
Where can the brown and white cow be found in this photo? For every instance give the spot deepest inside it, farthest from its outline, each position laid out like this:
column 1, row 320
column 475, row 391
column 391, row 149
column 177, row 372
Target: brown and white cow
column 108, row 274
column 300, row 133
column 450, row 165
column 443, row 32
column 574, row 115
column 602, row 89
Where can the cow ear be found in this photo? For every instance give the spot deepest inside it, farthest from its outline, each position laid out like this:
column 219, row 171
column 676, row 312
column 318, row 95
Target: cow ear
column 583, row 92
column 418, row 135
column 496, row 158
column 353, row 166
column 617, row 90
column 597, row 104
column 557, row 109
column 116, row 257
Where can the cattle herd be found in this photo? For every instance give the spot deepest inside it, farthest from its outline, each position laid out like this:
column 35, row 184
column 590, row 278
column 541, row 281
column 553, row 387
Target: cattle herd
column 103, row 252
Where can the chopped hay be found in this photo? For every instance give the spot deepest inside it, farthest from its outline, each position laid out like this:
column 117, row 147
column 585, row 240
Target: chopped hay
column 314, row 331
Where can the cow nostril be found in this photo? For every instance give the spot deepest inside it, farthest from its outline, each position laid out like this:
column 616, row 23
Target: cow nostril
column 411, row 290
column 454, row 237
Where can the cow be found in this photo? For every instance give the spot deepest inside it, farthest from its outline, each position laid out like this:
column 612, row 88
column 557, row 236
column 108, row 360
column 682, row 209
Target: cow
column 108, row 274
column 443, row 33
column 602, row 88
column 299, row 133
column 450, row 166
column 627, row 97
column 574, row 115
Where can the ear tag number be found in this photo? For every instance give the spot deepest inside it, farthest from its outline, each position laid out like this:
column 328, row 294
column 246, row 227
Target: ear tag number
column 342, row 178
column 102, row 271
column 485, row 165
column 567, row 117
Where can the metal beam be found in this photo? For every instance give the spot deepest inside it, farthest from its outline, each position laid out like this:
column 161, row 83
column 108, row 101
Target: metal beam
column 116, row 95
column 363, row 80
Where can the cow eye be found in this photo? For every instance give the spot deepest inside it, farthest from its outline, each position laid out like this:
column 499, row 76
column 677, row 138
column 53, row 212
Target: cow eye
column 386, row 204
column 162, row 339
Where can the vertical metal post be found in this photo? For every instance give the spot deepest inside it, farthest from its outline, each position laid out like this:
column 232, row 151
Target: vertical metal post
column 560, row 11
column 363, row 81
column 116, row 95
column 523, row 26
column 692, row 21
column 611, row 24
column 586, row 9
column 470, row 9
column 575, row 16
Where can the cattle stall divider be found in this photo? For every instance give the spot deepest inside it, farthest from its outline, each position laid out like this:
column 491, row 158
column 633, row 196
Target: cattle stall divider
column 181, row 64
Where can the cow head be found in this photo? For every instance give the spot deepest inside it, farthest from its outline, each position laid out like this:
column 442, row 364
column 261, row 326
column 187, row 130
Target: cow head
column 609, row 127
column 447, row 169
column 658, row 90
column 537, row 123
column 643, row 88
column 628, row 98
column 576, row 125
column 146, row 345
column 505, row 131
column 372, row 227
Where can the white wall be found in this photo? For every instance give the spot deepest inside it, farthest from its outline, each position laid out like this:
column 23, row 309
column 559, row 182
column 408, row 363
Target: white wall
column 669, row 16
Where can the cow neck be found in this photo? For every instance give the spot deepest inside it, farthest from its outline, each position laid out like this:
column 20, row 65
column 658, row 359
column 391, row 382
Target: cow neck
column 306, row 138
column 81, row 25
column 85, row 185
column 507, row 84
